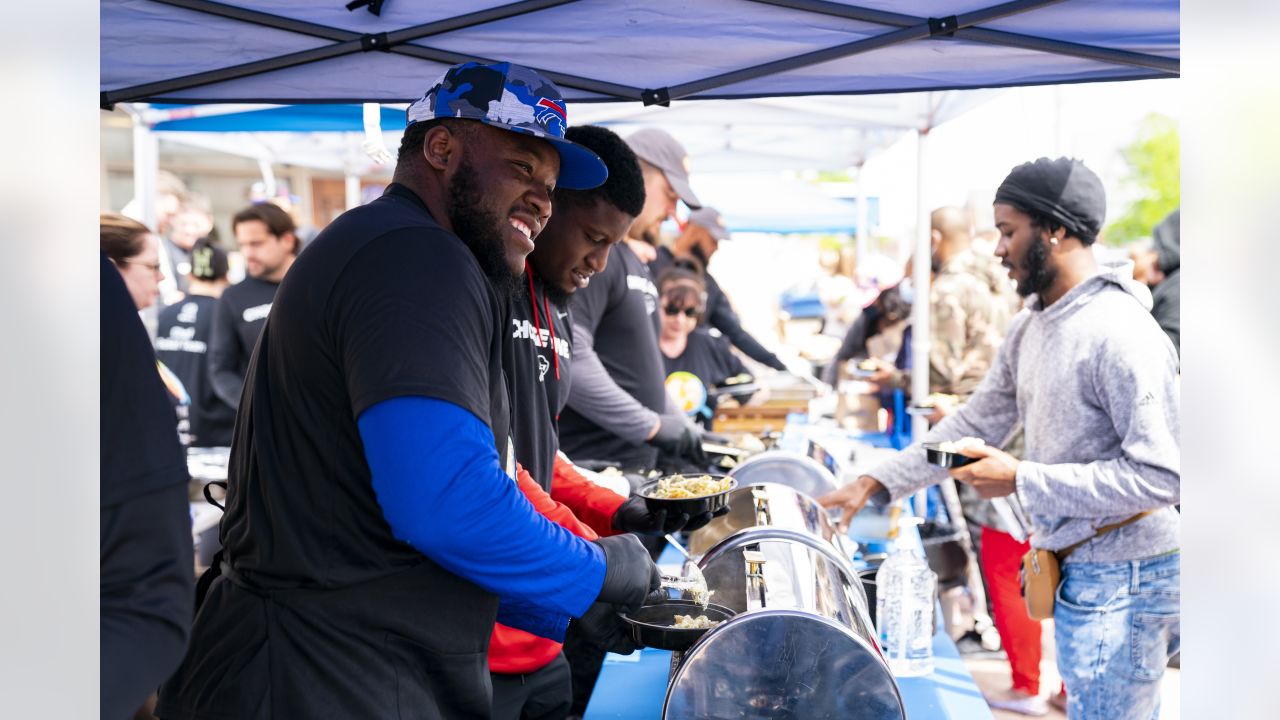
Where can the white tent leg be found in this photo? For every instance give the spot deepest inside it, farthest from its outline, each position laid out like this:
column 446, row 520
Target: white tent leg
column 920, row 333
column 146, row 166
column 353, row 190
column 860, row 255
column 268, row 177
column 920, row 337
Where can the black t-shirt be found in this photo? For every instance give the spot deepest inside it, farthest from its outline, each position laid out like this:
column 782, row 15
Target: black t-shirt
column 620, row 305
column 709, row 360
column 140, row 451
column 177, row 264
column 145, row 572
column 384, row 303
column 182, row 343
column 237, row 323
column 538, row 378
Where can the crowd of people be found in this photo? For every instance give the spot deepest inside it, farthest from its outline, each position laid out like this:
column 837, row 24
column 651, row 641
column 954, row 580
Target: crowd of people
column 408, row 402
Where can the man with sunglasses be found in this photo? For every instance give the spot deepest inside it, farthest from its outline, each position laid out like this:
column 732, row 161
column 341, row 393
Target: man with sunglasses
column 695, row 361
column 700, row 239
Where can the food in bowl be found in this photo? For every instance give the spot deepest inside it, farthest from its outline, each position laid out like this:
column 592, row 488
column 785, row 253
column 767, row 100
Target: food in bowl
column 964, row 443
column 689, row 622
column 936, row 399
column 679, row 487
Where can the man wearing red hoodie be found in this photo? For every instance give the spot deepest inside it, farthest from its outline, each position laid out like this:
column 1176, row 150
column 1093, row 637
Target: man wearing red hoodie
column 530, row 675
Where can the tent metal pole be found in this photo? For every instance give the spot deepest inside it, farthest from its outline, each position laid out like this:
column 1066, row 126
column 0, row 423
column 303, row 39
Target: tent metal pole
column 351, row 182
column 860, row 246
column 987, row 35
column 799, row 61
column 892, row 19
column 922, row 28
column 920, row 264
column 146, row 160
column 1059, row 47
column 348, row 42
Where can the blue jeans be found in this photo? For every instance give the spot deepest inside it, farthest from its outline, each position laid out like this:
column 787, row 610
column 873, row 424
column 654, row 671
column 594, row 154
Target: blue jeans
column 1116, row 625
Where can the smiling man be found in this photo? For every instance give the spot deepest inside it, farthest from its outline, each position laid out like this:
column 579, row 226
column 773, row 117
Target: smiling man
column 531, row 678
column 373, row 523
column 618, row 409
column 1090, row 377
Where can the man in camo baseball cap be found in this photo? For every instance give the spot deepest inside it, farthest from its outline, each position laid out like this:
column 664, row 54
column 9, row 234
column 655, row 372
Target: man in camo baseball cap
column 513, row 98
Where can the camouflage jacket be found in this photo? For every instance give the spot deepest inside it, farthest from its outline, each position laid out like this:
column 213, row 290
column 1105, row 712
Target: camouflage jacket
column 971, row 303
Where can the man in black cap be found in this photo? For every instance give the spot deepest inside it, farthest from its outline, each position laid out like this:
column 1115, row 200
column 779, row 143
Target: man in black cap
column 618, row 410
column 374, row 531
column 182, row 344
column 700, row 239
column 1091, row 379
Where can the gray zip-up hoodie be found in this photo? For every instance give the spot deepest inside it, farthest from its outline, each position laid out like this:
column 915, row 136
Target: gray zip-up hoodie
column 1093, row 381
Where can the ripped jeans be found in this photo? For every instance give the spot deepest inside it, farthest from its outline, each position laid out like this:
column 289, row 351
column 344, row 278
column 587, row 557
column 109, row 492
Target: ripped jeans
column 1116, row 626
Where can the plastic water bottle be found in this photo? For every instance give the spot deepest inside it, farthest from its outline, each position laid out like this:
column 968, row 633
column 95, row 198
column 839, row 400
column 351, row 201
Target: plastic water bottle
column 905, row 593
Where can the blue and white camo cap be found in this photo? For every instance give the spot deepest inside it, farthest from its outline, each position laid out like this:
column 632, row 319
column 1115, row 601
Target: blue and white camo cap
column 513, row 98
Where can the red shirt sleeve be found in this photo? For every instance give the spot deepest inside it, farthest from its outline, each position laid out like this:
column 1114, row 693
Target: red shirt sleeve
column 549, row 508
column 591, row 503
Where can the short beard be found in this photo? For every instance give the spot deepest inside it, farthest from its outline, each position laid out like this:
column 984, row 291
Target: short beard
column 480, row 229
column 557, row 295
column 1040, row 274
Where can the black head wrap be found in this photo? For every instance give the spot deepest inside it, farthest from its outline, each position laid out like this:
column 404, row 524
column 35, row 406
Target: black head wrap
column 1064, row 190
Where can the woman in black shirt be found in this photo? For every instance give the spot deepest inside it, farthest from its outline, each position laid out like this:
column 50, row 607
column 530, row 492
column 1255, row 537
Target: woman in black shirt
column 695, row 361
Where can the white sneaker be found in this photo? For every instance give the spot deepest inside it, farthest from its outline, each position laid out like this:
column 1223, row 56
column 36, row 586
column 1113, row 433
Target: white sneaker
column 1019, row 702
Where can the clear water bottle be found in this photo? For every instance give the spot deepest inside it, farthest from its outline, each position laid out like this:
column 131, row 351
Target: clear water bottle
column 905, row 594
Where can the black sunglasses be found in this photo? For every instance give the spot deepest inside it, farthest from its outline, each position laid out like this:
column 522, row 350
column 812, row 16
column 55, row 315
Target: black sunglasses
column 673, row 310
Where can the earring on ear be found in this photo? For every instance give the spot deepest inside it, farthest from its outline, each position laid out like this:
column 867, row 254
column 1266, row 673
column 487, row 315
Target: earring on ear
column 1053, row 241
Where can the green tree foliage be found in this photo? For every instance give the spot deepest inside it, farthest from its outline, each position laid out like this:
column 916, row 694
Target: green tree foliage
column 1154, row 177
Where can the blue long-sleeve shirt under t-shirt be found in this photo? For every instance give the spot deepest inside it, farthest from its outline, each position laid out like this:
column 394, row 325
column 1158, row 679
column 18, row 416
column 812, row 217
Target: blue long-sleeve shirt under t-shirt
column 467, row 515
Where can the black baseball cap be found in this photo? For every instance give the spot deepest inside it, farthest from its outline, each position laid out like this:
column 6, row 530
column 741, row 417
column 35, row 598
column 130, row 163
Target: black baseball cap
column 208, row 261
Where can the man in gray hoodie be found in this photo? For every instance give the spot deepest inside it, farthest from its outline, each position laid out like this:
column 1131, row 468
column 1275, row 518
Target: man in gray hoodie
column 1100, row 409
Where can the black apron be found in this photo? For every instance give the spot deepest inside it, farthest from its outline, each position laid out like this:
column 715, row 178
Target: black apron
column 412, row 643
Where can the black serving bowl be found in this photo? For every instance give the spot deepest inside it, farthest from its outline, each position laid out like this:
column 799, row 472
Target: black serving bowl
column 693, row 506
column 945, row 459
column 650, row 626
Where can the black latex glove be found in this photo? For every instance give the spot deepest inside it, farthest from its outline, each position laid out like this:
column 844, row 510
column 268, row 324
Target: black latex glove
column 697, row 521
column 602, row 625
column 634, row 516
column 629, row 573
column 681, row 437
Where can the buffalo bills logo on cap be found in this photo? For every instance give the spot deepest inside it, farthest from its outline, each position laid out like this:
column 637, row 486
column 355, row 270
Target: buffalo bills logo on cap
column 551, row 115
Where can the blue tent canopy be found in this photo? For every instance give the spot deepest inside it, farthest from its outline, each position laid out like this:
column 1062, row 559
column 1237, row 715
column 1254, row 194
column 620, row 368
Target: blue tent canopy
column 295, row 118
column 654, row 51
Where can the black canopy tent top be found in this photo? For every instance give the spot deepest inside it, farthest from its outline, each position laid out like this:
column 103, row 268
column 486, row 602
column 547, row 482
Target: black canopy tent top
column 652, row 52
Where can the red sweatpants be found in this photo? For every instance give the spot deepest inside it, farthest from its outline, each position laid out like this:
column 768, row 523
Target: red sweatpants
column 1001, row 560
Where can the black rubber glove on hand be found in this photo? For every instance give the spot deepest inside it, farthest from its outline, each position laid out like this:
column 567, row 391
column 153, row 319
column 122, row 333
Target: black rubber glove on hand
column 680, row 436
column 601, row 624
column 629, row 573
column 633, row 516
column 697, row 521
